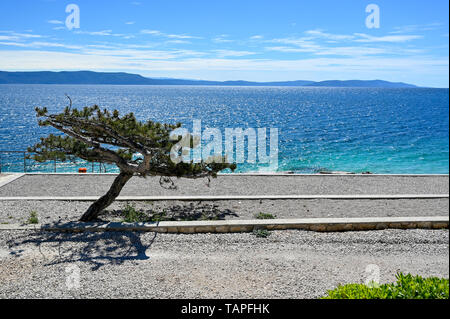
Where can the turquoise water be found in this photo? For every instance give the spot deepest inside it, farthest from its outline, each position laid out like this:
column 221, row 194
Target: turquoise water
column 392, row 131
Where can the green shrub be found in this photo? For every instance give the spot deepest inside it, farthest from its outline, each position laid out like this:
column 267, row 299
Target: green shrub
column 406, row 287
column 261, row 233
column 131, row 215
column 33, row 219
column 264, row 216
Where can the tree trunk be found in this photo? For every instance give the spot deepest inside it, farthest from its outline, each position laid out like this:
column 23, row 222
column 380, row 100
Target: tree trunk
column 107, row 199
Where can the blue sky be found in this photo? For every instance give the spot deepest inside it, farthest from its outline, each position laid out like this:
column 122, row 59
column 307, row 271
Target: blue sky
column 231, row 40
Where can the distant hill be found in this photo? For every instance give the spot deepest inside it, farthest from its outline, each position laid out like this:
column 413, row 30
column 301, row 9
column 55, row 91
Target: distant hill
column 89, row 77
column 80, row 77
column 359, row 83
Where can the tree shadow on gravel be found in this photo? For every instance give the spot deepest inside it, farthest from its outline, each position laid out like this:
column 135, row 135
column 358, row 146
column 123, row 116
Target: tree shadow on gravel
column 187, row 212
column 109, row 248
column 95, row 248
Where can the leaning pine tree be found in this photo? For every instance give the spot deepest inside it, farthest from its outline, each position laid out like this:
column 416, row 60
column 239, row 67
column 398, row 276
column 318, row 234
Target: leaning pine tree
column 136, row 148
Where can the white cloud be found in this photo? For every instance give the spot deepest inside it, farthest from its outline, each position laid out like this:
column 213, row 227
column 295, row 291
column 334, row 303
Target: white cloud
column 339, row 51
column 22, row 35
column 181, row 36
column 297, row 45
column 144, row 55
column 170, row 36
column 40, row 44
column 232, row 53
column 309, row 43
column 289, row 49
column 8, row 38
column 223, row 38
column 177, row 42
column 99, row 33
column 321, row 34
column 27, row 35
column 353, row 51
column 105, row 33
column 55, row 22
column 150, row 60
column 17, row 39
column 416, row 28
column 359, row 37
column 321, row 43
column 152, row 32
column 388, row 38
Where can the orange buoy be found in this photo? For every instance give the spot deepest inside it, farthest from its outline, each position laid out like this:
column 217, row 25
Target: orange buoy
column 82, row 170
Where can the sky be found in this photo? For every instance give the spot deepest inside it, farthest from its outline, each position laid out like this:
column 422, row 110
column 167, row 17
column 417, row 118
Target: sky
column 400, row 41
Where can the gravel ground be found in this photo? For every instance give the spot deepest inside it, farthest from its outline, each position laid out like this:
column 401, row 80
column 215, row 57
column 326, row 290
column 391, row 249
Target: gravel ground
column 287, row 264
column 14, row 212
column 86, row 185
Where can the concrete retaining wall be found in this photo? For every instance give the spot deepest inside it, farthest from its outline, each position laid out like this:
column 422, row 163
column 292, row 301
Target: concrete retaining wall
column 233, row 226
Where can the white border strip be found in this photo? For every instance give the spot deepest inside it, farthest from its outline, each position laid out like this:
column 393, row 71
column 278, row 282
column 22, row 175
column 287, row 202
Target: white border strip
column 227, row 197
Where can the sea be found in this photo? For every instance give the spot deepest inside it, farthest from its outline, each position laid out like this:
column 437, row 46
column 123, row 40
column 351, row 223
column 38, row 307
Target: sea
column 382, row 131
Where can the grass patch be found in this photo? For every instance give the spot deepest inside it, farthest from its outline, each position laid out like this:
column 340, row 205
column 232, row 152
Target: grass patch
column 264, row 216
column 406, row 287
column 33, row 219
column 261, row 233
column 131, row 215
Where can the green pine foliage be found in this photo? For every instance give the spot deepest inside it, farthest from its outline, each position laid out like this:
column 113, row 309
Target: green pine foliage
column 99, row 135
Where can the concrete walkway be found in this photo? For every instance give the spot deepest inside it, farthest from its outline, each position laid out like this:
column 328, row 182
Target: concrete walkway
column 241, row 185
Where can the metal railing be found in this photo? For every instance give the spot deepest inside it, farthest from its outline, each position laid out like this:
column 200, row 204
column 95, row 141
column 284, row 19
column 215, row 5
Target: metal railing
column 14, row 152
column 6, row 162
